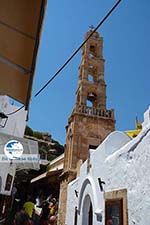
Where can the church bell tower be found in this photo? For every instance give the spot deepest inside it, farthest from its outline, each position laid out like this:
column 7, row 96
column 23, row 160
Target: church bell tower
column 90, row 121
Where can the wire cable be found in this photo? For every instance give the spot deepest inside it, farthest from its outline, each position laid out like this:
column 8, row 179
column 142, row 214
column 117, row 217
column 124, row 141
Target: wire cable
column 69, row 59
column 11, row 113
column 77, row 50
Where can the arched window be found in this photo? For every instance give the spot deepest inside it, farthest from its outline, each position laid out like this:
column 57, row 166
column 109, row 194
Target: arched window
column 93, row 51
column 91, row 96
column 90, row 78
column 89, row 103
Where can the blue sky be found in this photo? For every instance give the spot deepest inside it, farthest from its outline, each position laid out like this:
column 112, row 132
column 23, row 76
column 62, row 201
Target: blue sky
column 126, row 50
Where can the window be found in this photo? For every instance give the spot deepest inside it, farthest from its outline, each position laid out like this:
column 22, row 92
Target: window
column 116, row 207
column 92, row 51
column 90, row 78
column 92, row 48
column 89, row 103
column 114, row 212
column 93, row 146
column 8, row 182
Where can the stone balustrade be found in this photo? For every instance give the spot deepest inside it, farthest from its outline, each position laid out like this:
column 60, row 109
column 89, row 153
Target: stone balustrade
column 91, row 111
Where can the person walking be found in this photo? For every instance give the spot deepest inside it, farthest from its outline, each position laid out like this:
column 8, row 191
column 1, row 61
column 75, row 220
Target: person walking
column 53, row 212
column 22, row 218
column 29, row 206
column 45, row 214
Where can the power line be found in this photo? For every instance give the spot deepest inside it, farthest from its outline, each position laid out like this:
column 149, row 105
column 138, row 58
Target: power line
column 11, row 113
column 74, row 53
column 77, row 50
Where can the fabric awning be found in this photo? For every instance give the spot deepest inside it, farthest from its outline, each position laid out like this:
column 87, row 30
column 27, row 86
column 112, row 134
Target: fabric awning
column 48, row 174
column 20, row 28
column 55, row 168
column 43, row 175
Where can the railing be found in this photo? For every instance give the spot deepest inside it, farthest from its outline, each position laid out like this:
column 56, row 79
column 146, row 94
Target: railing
column 94, row 111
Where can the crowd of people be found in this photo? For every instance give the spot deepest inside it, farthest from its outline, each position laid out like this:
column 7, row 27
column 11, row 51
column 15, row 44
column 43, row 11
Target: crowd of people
column 40, row 212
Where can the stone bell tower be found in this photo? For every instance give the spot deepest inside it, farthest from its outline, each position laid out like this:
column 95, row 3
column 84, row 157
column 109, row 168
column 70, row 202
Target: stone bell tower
column 90, row 121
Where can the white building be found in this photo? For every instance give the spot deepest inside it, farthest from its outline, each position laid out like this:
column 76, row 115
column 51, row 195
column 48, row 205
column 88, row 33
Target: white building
column 113, row 186
column 14, row 130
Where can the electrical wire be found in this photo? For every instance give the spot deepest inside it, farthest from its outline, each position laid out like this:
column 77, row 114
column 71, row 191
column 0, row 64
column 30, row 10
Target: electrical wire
column 77, row 50
column 11, row 113
column 72, row 56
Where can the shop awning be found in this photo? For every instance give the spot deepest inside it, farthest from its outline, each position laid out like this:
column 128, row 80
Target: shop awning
column 54, row 172
column 55, row 168
column 20, row 28
column 43, row 175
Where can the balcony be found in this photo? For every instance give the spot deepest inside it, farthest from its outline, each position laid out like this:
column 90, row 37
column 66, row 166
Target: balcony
column 96, row 112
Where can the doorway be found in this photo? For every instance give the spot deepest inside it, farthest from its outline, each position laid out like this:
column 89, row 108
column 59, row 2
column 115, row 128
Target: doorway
column 87, row 211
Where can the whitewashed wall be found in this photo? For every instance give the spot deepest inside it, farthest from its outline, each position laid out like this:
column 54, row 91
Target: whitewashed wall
column 15, row 126
column 4, row 170
column 121, row 163
column 16, row 122
column 72, row 200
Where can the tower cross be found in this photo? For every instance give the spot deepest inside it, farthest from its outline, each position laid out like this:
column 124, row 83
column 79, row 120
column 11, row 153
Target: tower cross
column 91, row 27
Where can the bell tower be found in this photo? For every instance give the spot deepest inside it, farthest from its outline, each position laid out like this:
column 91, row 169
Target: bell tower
column 92, row 87
column 90, row 121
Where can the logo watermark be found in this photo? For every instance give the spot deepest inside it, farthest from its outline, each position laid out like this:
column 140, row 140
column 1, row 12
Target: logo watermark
column 14, row 151
column 25, row 158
